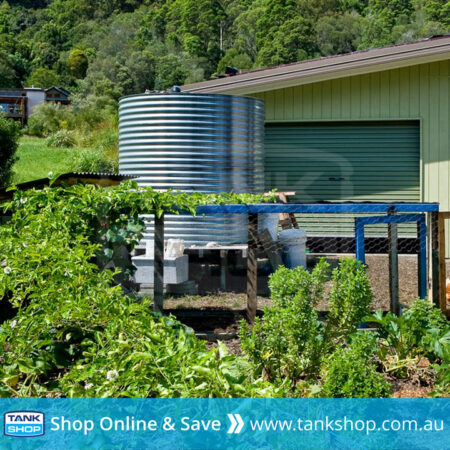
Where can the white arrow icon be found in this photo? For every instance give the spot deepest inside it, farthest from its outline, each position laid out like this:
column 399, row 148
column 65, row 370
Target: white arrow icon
column 236, row 423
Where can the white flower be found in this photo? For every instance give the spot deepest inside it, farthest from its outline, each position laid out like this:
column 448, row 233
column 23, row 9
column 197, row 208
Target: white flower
column 111, row 374
column 13, row 323
column 89, row 386
column 7, row 270
column 23, row 200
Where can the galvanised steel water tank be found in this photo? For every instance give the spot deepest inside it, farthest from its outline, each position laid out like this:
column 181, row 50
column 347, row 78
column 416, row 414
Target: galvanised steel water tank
column 194, row 142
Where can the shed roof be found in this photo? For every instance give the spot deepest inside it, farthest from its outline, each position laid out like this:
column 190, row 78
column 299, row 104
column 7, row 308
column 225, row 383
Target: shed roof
column 331, row 67
column 60, row 89
column 101, row 179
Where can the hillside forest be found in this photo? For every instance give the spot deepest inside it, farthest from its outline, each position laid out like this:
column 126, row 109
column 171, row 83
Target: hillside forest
column 103, row 49
column 120, row 47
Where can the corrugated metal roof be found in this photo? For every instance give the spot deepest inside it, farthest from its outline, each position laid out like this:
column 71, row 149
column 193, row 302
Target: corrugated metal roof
column 337, row 66
column 103, row 179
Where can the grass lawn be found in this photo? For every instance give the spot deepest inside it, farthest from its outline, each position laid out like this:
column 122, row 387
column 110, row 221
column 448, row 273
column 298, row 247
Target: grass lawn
column 36, row 159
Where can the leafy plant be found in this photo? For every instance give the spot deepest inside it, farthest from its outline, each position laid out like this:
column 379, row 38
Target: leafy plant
column 410, row 334
column 75, row 333
column 291, row 341
column 424, row 315
column 352, row 371
column 9, row 135
column 61, row 139
column 288, row 342
column 421, row 331
column 349, row 299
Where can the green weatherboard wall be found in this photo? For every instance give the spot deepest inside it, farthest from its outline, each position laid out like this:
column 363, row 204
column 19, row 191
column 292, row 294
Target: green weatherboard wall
column 418, row 93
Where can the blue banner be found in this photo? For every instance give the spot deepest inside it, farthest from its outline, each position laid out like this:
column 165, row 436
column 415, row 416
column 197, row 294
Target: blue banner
column 222, row 424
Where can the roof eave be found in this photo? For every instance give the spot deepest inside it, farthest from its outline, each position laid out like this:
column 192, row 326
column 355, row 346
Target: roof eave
column 323, row 70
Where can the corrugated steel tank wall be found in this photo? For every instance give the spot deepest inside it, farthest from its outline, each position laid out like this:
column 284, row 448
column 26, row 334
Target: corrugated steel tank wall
column 194, row 142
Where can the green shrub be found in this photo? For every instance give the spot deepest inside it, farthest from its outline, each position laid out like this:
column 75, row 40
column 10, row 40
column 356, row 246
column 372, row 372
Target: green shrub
column 351, row 372
column 349, row 300
column 424, row 315
column 93, row 161
column 61, row 139
column 422, row 331
column 412, row 333
column 35, row 126
column 9, row 136
column 48, row 118
column 288, row 342
column 106, row 140
column 84, row 116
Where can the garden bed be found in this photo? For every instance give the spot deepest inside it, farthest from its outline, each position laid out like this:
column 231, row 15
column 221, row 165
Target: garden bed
column 76, row 334
column 378, row 273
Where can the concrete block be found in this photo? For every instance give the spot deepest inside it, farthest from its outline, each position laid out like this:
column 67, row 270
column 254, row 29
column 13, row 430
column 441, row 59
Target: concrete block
column 176, row 270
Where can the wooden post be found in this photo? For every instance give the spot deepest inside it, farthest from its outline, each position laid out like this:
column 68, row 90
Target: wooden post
column 272, row 248
column 435, row 257
column 287, row 220
column 252, row 267
column 158, row 283
column 223, row 269
column 442, row 266
column 422, row 273
column 393, row 268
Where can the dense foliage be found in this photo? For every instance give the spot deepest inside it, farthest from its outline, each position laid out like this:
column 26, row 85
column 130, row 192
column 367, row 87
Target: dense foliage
column 291, row 343
column 120, row 47
column 73, row 331
column 69, row 329
column 310, row 357
column 9, row 136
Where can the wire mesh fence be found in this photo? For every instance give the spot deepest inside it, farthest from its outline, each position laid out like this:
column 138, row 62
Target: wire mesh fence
column 393, row 240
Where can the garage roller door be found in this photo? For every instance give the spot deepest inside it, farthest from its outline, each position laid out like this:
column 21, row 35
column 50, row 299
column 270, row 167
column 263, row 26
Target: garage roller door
column 345, row 161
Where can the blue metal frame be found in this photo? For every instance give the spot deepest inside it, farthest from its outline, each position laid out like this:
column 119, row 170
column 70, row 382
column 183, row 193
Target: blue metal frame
column 355, row 208
column 317, row 208
column 360, row 222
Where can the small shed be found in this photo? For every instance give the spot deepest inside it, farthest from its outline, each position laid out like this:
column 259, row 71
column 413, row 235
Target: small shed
column 100, row 179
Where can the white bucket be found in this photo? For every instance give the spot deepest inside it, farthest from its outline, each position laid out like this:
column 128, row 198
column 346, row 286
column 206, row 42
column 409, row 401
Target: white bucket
column 294, row 247
column 269, row 222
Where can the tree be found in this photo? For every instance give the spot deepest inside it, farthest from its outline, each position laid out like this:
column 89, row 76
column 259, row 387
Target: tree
column 293, row 41
column 78, row 63
column 338, row 34
column 9, row 136
column 43, row 78
column 143, row 68
column 7, row 73
column 170, row 72
column 233, row 58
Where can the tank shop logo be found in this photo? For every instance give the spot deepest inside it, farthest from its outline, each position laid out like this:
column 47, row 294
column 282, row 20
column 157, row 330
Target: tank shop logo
column 24, row 424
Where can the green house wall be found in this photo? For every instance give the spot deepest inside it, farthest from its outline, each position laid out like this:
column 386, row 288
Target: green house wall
column 420, row 92
column 417, row 92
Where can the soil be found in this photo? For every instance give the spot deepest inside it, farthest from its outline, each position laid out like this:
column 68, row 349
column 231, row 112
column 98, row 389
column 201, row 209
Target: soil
column 208, row 280
column 408, row 390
